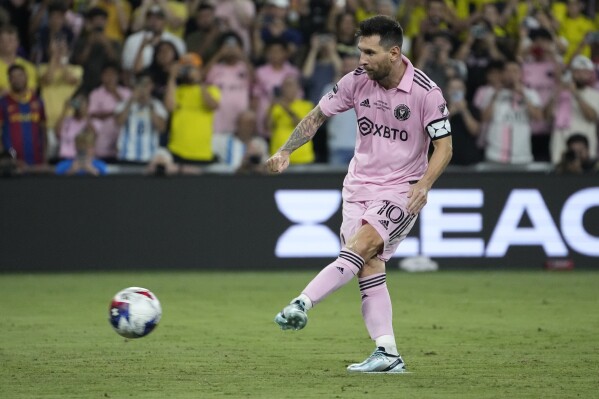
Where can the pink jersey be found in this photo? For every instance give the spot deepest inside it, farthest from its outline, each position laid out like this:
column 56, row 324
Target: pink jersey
column 234, row 84
column 394, row 129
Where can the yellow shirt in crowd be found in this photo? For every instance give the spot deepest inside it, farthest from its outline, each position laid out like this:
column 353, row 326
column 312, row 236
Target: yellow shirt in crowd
column 29, row 69
column 282, row 127
column 191, row 123
column 56, row 93
column 113, row 27
column 178, row 10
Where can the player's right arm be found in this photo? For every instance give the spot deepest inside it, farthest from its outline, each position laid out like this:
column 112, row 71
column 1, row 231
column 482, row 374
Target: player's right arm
column 303, row 132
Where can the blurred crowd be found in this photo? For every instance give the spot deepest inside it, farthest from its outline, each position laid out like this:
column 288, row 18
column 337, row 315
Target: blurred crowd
column 178, row 86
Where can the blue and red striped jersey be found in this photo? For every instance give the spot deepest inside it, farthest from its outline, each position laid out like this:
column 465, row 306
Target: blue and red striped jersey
column 22, row 124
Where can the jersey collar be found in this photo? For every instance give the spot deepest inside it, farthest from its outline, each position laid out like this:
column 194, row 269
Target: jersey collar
column 408, row 77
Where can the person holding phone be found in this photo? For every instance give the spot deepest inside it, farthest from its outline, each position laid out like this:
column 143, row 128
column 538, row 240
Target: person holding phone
column 465, row 121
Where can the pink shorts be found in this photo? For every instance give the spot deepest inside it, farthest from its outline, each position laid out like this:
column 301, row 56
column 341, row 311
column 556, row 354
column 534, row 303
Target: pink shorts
column 387, row 214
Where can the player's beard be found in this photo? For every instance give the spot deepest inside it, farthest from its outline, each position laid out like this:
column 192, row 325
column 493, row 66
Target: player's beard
column 381, row 73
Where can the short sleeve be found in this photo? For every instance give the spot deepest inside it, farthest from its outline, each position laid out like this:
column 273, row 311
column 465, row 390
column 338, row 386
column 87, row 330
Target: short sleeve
column 435, row 116
column 340, row 98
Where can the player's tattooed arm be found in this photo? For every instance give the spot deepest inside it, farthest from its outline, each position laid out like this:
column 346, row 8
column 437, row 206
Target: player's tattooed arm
column 305, row 130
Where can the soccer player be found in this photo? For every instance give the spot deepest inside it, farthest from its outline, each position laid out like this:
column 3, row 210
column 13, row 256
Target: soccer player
column 400, row 110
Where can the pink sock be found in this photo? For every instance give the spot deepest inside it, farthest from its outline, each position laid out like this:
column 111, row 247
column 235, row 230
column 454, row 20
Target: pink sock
column 376, row 305
column 334, row 276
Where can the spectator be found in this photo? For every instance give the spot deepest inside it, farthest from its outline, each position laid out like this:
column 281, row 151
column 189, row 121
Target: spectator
column 19, row 12
column 465, row 125
column 411, row 14
column 40, row 16
column 22, row 120
column 193, row 104
column 55, row 29
column 140, row 46
column 203, row 38
column 575, row 108
column 238, row 15
column 176, row 13
column 574, row 28
column 274, row 26
column 545, row 14
column 118, row 16
column 269, row 77
column 244, row 151
column 84, row 163
column 59, row 81
column 73, row 120
column 314, row 16
column 162, row 164
column 321, row 66
column 364, row 9
column 165, row 55
column 540, row 67
column 507, row 112
column 231, row 72
column 9, row 44
column 93, row 49
column 103, row 102
column 341, row 136
column 440, row 18
column 578, row 145
column 285, row 113
column 478, row 51
column 142, row 119
column 436, row 60
column 345, row 31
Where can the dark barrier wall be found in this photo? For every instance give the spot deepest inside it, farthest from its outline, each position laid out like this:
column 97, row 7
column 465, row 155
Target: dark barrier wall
column 282, row 222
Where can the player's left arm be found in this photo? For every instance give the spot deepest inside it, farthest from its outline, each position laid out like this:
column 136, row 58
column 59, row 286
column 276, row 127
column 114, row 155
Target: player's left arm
column 302, row 133
column 418, row 193
column 436, row 122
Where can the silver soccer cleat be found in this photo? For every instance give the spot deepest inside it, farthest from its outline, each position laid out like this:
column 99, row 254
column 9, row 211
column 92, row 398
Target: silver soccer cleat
column 293, row 316
column 379, row 362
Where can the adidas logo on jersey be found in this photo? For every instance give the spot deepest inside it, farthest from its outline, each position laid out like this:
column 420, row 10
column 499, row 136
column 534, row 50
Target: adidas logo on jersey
column 365, row 103
column 385, row 223
column 340, row 269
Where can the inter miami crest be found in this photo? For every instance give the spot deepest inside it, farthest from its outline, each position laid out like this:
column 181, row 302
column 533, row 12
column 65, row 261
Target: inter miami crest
column 401, row 112
column 443, row 109
column 335, row 89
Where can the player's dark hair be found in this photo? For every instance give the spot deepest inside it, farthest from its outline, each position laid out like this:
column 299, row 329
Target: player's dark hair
column 388, row 29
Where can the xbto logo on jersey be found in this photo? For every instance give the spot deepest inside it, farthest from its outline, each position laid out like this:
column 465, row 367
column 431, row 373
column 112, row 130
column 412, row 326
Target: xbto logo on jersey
column 366, row 127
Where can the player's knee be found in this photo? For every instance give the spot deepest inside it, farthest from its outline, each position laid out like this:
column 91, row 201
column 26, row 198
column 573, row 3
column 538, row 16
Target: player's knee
column 374, row 266
column 365, row 245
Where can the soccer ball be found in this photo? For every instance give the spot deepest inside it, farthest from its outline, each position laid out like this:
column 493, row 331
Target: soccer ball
column 134, row 312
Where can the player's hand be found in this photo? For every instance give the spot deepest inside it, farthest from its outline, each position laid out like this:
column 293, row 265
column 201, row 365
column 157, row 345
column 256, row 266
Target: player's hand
column 278, row 162
column 417, row 195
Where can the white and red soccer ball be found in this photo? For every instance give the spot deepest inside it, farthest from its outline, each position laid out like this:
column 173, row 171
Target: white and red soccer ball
column 134, row 312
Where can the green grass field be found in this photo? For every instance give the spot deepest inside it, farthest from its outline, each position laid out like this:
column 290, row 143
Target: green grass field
column 462, row 335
